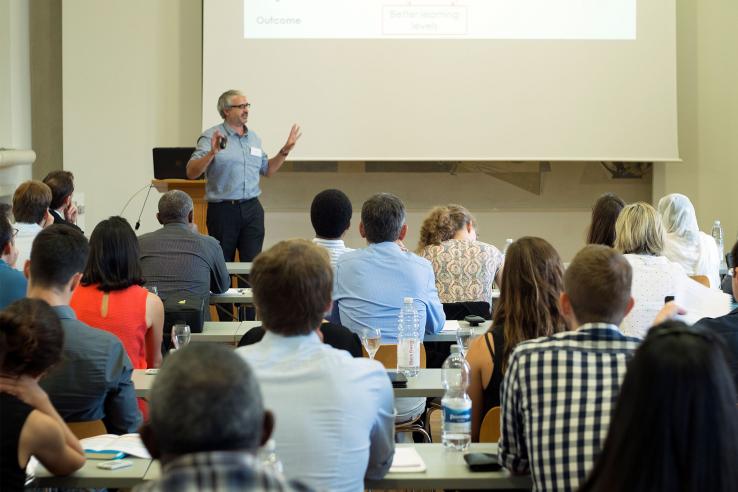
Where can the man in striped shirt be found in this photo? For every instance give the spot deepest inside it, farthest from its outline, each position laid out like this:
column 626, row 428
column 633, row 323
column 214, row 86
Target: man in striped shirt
column 559, row 391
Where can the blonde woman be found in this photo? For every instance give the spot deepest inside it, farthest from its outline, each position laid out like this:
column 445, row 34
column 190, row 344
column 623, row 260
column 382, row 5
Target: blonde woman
column 464, row 267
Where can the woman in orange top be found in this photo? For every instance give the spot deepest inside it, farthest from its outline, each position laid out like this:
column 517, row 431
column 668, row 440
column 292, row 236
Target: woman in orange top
column 111, row 297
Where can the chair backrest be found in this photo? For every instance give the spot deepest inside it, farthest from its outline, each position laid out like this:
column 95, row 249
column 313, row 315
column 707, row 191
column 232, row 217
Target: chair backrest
column 458, row 310
column 387, row 355
column 89, row 428
column 490, row 429
column 702, row 279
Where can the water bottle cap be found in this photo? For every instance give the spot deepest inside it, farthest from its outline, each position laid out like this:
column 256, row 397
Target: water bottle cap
column 455, row 349
column 717, row 222
column 407, row 300
column 509, row 240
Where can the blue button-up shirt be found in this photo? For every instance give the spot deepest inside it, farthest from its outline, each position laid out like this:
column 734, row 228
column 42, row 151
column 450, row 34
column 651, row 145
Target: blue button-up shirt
column 371, row 284
column 234, row 172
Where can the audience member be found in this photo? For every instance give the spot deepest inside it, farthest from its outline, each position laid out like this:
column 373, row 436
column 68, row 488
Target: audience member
column 558, row 391
column 464, row 268
column 62, row 208
column 335, row 413
column 93, row 381
column 727, row 326
column 532, row 281
column 675, row 425
column 110, row 296
column 31, row 212
column 694, row 251
column 177, row 258
column 605, row 212
column 13, row 284
column 639, row 234
column 207, row 423
column 31, row 340
column 330, row 214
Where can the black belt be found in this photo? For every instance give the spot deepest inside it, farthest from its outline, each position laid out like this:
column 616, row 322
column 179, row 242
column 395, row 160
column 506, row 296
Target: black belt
column 233, row 202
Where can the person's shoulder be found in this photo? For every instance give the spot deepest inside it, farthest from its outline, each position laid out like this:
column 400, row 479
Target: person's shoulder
column 486, row 248
column 727, row 323
column 209, row 132
column 351, row 256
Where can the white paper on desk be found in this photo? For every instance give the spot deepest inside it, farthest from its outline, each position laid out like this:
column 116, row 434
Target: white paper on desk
column 451, row 325
column 128, row 443
column 407, row 460
column 236, row 292
column 700, row 301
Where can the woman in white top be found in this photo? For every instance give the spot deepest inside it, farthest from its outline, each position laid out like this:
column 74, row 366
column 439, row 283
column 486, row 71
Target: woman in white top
column 695, row 251
column 639, row 235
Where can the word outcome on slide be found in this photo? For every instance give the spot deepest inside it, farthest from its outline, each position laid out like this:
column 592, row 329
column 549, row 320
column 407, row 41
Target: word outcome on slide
column 432, row 19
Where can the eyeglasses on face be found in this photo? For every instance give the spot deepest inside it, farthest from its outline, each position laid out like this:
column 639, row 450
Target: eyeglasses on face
column 241, row 106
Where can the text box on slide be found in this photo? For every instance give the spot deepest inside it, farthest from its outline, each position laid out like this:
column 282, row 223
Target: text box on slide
column 433, row 19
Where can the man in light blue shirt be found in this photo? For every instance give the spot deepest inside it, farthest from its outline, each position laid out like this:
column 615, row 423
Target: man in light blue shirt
column 13, row 284
column 372, row 282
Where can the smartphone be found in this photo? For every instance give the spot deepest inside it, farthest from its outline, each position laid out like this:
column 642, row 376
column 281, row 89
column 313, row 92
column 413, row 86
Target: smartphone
column 482, row 462
column 115, row 465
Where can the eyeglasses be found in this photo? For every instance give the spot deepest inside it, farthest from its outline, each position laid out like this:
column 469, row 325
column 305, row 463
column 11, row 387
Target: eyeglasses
column 241, row 106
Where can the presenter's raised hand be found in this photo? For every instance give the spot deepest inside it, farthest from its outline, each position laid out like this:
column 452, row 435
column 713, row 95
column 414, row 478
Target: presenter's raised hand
column 292, row 139
column 215, row 142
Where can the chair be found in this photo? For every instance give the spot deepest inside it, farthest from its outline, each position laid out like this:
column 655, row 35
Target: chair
column 702, row 279
column 387, row 355
column 490, row 429
column 459, row 310
column 89, row 428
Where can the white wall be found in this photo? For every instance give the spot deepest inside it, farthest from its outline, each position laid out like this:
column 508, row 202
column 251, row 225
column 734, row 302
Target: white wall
column 15, row 76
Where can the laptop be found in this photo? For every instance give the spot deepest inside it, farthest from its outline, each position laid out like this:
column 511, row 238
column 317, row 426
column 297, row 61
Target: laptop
column 171, row 162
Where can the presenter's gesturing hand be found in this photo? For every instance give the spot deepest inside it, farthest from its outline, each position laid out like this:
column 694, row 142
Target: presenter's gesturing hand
column 276, row 162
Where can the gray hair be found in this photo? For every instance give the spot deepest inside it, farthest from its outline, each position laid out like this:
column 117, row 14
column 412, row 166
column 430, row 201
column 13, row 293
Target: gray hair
column 174, row 206
column 206, row 398
column 224, row 101
column 383, row 216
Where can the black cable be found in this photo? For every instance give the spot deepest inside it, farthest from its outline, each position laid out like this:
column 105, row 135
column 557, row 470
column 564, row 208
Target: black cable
column 138, row 221
column 132, row 197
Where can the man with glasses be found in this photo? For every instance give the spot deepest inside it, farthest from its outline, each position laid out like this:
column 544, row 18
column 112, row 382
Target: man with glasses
column 13, row 284
column 232, row 158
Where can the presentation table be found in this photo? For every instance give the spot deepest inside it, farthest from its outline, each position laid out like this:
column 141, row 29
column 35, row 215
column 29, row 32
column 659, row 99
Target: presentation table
column 426, row 384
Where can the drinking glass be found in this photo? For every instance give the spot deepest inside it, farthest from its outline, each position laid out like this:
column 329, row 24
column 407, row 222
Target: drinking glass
column 464, row 337
column 180, row 335
column 372, row 340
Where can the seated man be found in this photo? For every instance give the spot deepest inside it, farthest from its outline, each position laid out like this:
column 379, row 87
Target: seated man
column 330, row 215
column 206, row 424
column 31, row 202
column 13, row 284
column 177, row 258
column 93, row 381
column 559, row 391
column 62, row 209
column 334, row 412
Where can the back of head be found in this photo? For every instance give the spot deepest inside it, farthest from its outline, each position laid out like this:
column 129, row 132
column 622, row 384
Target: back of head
column 598, row 283
column 58, row 253
column 175, row 206
column 330, row 214
column 605, row 212
column 6, row 231
column 675, row 426
column 532, row 280
column 205, row 398
column 442, row 224
column 292, row 283
column 31, row 338
column 61, row 184
column 678, row 216
column 639, row 230
column 31, row 202
column 383, row 216
column 114, row 262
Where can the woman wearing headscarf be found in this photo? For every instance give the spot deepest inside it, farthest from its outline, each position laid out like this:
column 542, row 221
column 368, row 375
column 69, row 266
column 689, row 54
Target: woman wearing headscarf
column 695, row 251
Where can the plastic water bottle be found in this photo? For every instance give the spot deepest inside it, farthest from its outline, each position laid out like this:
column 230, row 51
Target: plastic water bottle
column 408, row 339
column 456, row 405
column 269, row 459
column 717, row 235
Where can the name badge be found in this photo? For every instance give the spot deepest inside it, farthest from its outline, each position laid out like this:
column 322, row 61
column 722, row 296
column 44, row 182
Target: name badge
column 255, row 152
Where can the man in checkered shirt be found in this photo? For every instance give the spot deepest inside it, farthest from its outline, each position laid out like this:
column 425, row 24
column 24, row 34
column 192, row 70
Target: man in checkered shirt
column 559, row 391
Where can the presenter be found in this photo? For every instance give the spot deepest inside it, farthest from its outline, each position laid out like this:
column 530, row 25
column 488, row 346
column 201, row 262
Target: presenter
column 232, row 158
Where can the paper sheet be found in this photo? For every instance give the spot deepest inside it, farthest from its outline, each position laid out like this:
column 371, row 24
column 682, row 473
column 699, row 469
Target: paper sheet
column 407, row 460
column 128, row 443
column 451, row 326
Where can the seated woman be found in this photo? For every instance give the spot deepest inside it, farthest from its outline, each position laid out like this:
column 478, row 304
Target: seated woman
column 684, row 244
column 675, row 425
column 532, row 280
column 110, row 296
column 31, row 340
column 465, row 268
column 639, row 235
column 605, row 212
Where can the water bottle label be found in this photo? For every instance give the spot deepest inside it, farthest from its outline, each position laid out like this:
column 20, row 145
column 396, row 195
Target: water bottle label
column 457, row 420
column 408, row 353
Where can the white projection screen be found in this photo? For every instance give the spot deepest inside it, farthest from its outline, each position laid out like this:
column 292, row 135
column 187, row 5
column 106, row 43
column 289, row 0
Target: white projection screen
column 462, row 80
